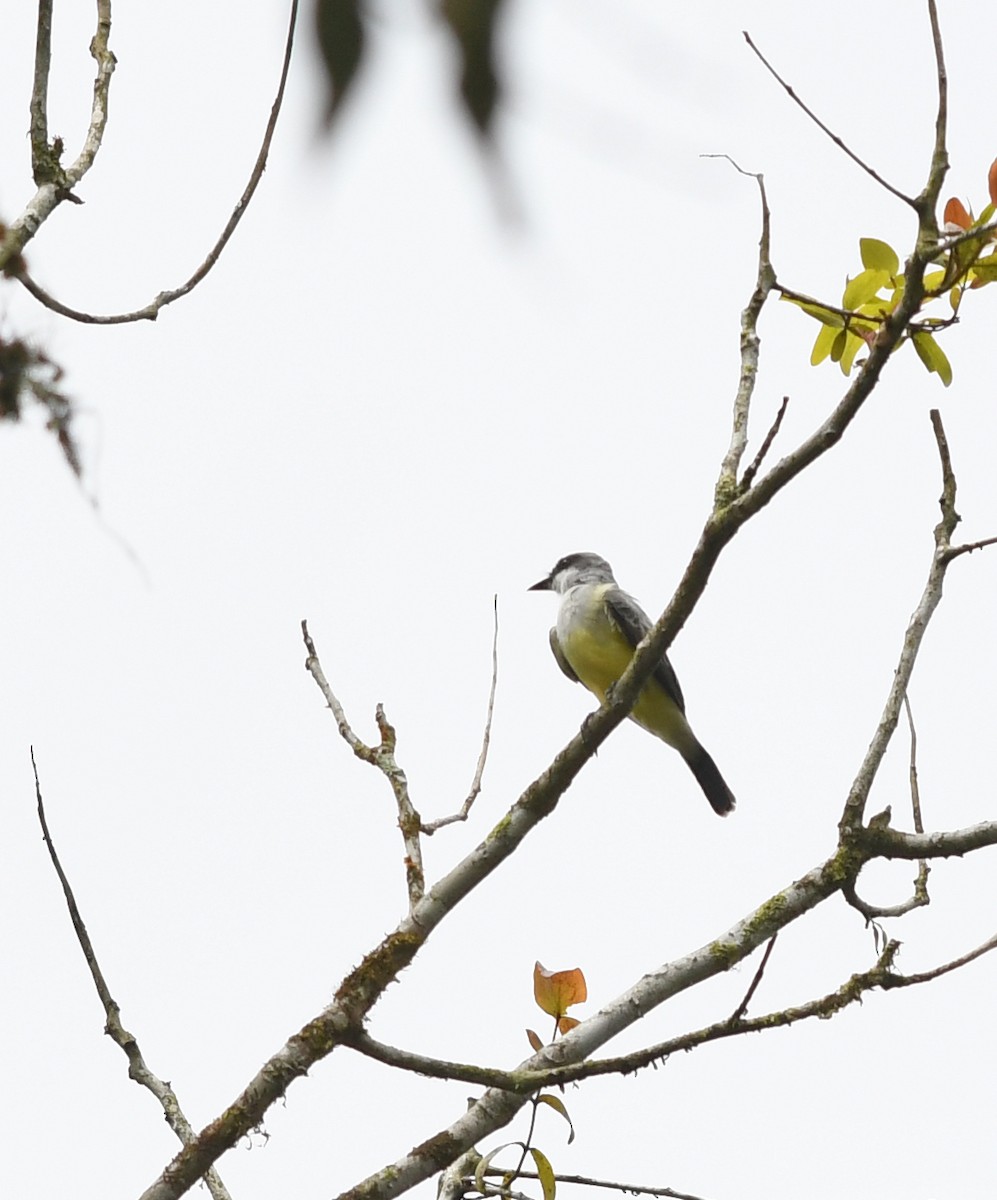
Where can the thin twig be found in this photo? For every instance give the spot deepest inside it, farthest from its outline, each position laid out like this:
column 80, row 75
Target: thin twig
column 632, row 1189
column 766, row 445
column 750, row 345
column 939, row 157
column 383, row 758
column 969, row 547
column 742, row 1008
column 848, row 315
column 926, row 976
column 137, row 1068
column 852, row 815
column 824, row 129
column 915, row 791
column 150, row 311
column 430, row 827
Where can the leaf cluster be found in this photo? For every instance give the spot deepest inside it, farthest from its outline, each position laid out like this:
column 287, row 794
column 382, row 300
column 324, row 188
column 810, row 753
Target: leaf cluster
column 871, row 296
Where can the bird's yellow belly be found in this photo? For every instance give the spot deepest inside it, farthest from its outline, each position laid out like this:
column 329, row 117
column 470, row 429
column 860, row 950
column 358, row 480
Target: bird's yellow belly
column 599, row 661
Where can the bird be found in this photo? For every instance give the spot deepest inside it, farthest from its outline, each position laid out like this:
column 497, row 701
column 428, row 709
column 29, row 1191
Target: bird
column 598, row 628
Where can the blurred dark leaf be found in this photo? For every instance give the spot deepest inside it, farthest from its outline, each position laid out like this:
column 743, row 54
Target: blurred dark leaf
column 472, row 23
column 340, row 29
column 26, row 375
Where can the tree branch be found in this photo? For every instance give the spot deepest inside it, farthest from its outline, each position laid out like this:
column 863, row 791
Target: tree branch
column 383, row 758
column 726, row 486
column 151, row 310
column 39, row 92
column 137, row 1068
column 824, row 128
column 430, row 827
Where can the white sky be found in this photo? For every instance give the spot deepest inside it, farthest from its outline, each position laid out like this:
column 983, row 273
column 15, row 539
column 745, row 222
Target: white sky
column 383, row 406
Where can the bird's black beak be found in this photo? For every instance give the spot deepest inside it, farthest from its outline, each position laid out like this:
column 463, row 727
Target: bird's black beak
column 544, row 585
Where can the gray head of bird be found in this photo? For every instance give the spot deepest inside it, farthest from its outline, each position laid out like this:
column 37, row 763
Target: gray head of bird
column 573, row 569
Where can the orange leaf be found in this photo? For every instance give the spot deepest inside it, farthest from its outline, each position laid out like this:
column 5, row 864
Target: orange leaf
column 556, row 991
column 955, row 213
column 534, row 1040
column 566, row 1024
column 992, row 181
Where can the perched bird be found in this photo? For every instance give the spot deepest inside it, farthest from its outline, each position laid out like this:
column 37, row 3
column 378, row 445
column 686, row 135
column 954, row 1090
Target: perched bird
column 598, row 628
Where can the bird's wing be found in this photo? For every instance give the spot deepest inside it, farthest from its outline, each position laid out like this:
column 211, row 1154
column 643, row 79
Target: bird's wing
column 562, row 662
column 634, row 623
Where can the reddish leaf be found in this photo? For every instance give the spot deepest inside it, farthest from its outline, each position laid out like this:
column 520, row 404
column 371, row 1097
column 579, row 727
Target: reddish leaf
column 556, row 991
column 992, row 181
column 534, row 1040
column 955, row 213
column 566, row 1024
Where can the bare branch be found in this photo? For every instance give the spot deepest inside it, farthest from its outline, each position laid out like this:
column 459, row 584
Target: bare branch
column 926, row 976
column 766, row 445
column 824, row 129
column 430, row 827
column 151, row 310
column 631, row 1189
column 919, row 897
column 383, row 758
column 969, row 547
column 55, row 183
column 137, row 1068
column 851, row 818
column 750, row 346
column 742, row 1008
column 39, row 92
column 101, row 88
column 939, row 158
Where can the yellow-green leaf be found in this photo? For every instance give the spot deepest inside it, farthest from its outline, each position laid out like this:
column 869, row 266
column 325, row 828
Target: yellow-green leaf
column 863, row 287
column 933, row 356
column 838, row 346
column 878, row 256
column 825, row 315
column 485, row 1162
column 546, row 1172
column 986, row 268
column 558, row 1106
column 823, row 344
column 853, row 344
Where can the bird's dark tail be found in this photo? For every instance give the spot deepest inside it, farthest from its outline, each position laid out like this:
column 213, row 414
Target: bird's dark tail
column 708, row 777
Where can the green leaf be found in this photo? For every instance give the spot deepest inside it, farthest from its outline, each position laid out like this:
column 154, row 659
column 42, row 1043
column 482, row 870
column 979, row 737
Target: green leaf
column 986, row 216
column 546, row 1172
column 863, row 287
column 838, row 346
column 985, row 269
column 878, row 256
column 933, row 356
column 823, row 344
column 558, row 1106
column 954, row 297
column 933, row 280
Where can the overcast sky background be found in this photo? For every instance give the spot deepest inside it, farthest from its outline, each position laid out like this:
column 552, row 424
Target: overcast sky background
column 389, row 402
